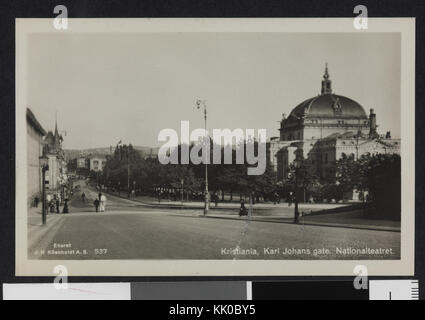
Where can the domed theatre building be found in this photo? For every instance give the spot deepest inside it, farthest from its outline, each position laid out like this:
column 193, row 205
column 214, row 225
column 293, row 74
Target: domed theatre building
column 325, row 128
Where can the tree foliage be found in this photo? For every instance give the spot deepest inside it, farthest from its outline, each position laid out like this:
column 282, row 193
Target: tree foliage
column 149, row 174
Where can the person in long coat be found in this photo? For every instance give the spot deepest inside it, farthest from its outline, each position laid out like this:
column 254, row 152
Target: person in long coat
column 102, row 203
column 96, row 204
column 57, row 202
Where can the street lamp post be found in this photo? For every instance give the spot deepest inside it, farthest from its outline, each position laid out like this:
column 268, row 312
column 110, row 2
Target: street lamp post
column 181, row 190
column 134, row 187
column 296, row 212
column 63, row 194
column 198, row 104
column 44, row 167
column 128, row 174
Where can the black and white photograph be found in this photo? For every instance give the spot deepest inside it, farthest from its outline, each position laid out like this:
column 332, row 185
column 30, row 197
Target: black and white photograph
column 212, row 147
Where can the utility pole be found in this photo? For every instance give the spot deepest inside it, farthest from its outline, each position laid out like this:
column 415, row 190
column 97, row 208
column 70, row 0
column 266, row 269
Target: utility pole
column 198, row 104
column 181, row 190
column 296, row 212
column 120, row 158
column 128, row 172
column 44, row 164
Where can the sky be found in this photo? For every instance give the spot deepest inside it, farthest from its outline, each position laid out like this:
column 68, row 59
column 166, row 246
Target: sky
column 106, row 87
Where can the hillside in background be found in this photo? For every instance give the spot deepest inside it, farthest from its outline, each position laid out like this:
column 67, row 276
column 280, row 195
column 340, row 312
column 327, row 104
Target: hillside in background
column 75, row 153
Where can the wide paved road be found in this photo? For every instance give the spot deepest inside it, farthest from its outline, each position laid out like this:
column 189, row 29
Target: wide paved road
column 128, row 230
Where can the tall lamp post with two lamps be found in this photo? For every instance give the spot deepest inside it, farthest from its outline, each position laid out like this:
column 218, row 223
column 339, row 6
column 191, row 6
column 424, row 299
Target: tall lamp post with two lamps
column 297, row 165
column 200, row 103
column 44, row 165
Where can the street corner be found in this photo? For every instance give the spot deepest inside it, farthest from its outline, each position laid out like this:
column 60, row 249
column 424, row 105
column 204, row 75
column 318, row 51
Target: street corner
column 37, row 231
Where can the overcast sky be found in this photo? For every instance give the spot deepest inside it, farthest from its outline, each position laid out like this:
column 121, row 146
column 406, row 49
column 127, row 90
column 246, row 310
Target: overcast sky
column 111, row 87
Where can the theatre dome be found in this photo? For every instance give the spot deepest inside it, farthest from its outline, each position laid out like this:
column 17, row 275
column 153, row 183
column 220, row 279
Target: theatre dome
column 328, row 105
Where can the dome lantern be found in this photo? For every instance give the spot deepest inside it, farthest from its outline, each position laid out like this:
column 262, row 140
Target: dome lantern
column 326, row 82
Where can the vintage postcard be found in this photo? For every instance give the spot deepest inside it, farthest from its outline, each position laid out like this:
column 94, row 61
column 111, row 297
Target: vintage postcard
column 214, row 147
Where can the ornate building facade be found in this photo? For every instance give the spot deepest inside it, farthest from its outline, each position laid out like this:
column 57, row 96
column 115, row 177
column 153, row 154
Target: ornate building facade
column 56, row 175
column 323, row 129
column 97, row 163
column 35, row 134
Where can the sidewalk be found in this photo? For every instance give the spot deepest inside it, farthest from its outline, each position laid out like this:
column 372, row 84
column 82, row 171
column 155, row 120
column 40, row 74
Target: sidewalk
column 36, row 230
column 165, row 203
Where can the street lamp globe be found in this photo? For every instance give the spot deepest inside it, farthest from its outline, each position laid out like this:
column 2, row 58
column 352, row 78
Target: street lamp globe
column 44, row 162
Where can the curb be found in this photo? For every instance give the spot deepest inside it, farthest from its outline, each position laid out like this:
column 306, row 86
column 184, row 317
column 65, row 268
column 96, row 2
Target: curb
column 39, row 231
column 290, row 221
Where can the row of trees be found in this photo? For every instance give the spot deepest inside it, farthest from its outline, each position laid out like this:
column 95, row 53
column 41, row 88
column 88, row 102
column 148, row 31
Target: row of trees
column 377, row 176
column 127, row 166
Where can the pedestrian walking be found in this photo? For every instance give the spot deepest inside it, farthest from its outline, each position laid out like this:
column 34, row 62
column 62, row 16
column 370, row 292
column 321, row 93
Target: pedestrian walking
column 52, row 206
column 83, row 197
column 36, row 201
column 242, row 209
column 102, row 203
column 57, row 204
column 65, row 206
column 96, row 204
column 276, row 198
column 290, row 199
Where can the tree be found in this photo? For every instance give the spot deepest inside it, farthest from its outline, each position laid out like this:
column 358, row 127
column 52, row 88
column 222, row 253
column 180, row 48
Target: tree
column 302, row 176
column 347, row 177
column 380, row 175
column 71, row 165
column 125, row 160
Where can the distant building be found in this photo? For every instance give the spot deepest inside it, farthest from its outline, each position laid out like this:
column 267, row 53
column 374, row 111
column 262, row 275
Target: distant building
column 325, row 128
column 83, row 163
column 35, row 133
column 97, row 163
column 149, row 153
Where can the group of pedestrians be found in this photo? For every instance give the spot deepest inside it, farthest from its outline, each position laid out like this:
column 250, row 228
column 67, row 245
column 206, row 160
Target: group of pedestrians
column 100, row 203
column 53, row 202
